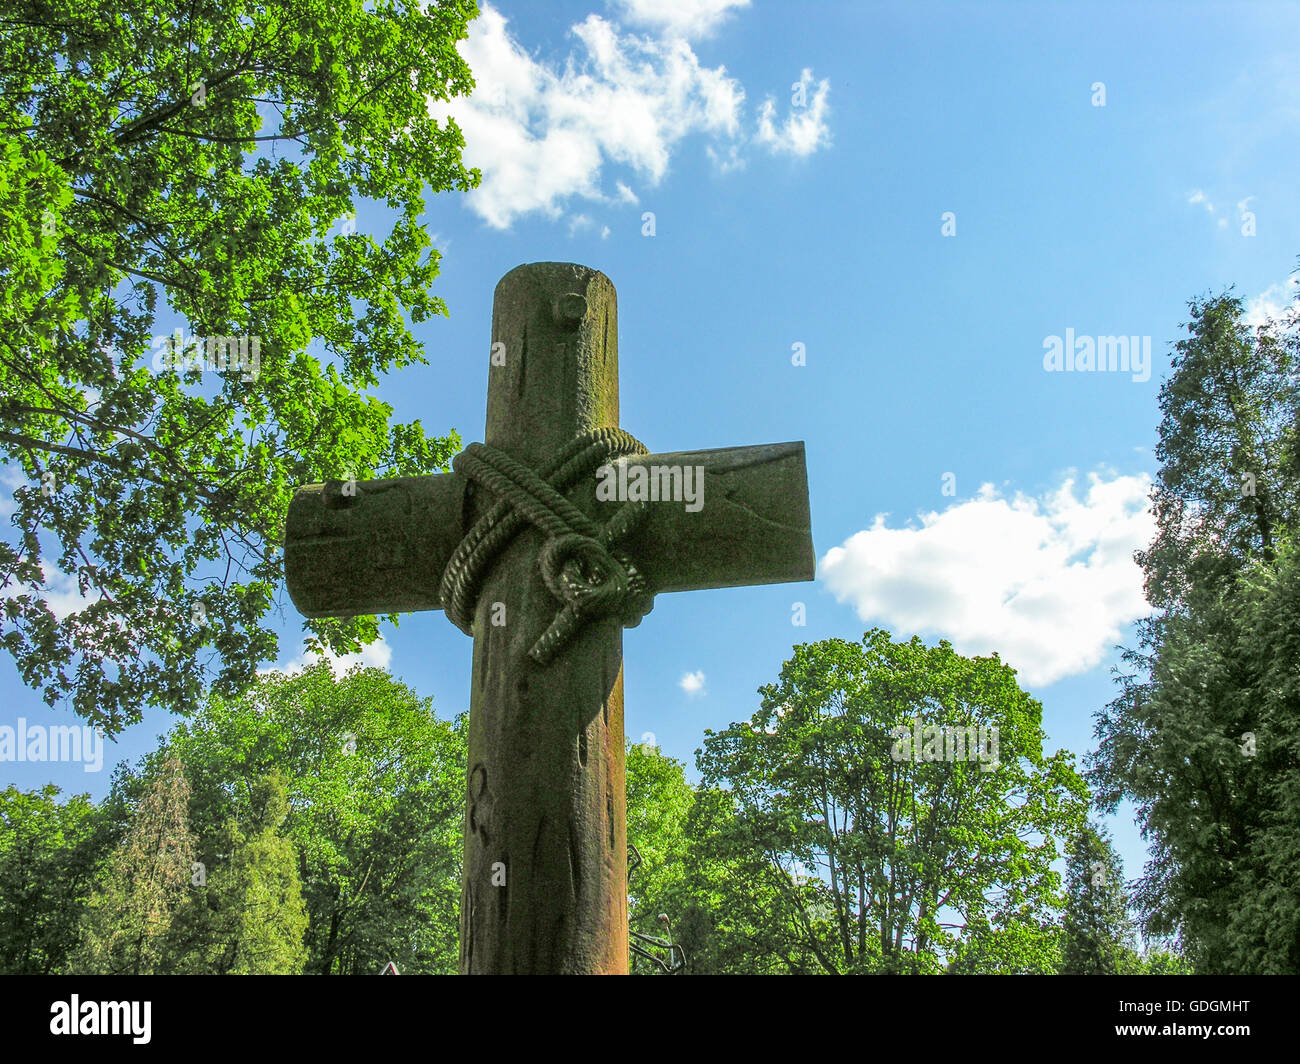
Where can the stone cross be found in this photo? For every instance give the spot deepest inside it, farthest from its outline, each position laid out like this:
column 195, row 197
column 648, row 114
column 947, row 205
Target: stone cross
column 545, row 566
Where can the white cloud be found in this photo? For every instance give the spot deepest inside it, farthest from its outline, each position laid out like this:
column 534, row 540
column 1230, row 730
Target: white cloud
column 1048, row 583
column 376, row 655
column 727, row 160
column 542, row 135
column 804, row 129
column 59, row 592
column 1274, row 302
column 679, row 18
column 1198, row 197
column 692, row 683
column 11, row 479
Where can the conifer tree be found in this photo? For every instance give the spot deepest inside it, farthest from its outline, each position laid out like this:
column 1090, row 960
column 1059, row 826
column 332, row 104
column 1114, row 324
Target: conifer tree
column 128, row 925
column 257, row 920
column 1099, row 935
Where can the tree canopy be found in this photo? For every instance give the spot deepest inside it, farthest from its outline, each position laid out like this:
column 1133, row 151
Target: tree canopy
column 374, row 785
column 1202, row 735
column 883, row 848
column 199, row 163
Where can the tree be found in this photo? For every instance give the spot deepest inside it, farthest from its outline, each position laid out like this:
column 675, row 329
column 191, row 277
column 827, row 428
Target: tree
column 1200, row 735
column 1265, row 921
column 659, row 801
column 252, row 920
column 735, row 912
column 1012, row 946
column 375, row 785
column 1229, row 451
column 890, row 794
column 1210, row 754
column 49, row 851
column 1157, row 961
column 160, row 158
column 128, row 928
column 1099, row 937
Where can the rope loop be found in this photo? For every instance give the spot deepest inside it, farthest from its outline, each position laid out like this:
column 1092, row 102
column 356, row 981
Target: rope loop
column 579, row 560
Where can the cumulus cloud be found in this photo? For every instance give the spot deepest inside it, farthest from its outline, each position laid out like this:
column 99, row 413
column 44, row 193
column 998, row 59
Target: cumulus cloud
column 12, row 478
column 544, row 134
column 805, row 128
column 1272, row 303
column 692, row 683
column 679, row 18
column 376, row 655
column 1046, row 582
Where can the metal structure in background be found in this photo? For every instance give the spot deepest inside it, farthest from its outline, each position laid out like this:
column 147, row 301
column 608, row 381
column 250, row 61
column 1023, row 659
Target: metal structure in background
column 676, row 961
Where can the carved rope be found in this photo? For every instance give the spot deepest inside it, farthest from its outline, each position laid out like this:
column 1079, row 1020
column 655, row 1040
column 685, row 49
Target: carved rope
column 578, row 561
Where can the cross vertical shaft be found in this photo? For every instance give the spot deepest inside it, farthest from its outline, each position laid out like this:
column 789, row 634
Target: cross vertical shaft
column 544, row 884
column 545, row 874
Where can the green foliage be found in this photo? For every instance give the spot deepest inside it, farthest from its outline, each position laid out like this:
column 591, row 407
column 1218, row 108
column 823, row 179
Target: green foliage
column 250, row 919
column 1013, row 947
column 195, row 157
column 876, row 861
column 129, row 920
column 659, row 802
column 735, row 911
column 1203, row 735
column 1229, row 452
column 375, row 786
column 49, row 851
column 1265, row 919
column 1099, row 937
column 1165, row 962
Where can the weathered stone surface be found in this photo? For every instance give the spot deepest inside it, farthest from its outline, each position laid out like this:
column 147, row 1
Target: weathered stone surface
column 545, row 884
column 385, row 550
column 546, row 744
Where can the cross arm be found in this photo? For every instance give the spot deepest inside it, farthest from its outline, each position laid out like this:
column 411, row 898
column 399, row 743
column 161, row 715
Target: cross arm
column 752, row 527
column 379, row 546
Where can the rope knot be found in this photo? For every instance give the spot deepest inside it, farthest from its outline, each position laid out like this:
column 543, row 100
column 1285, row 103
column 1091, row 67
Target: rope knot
column 583, row 574
column 578, row 561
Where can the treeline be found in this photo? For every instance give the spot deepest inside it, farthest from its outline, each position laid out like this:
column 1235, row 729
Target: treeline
column 314, row 826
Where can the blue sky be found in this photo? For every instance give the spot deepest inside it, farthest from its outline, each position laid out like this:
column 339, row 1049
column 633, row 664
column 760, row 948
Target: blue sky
column 798, row 160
